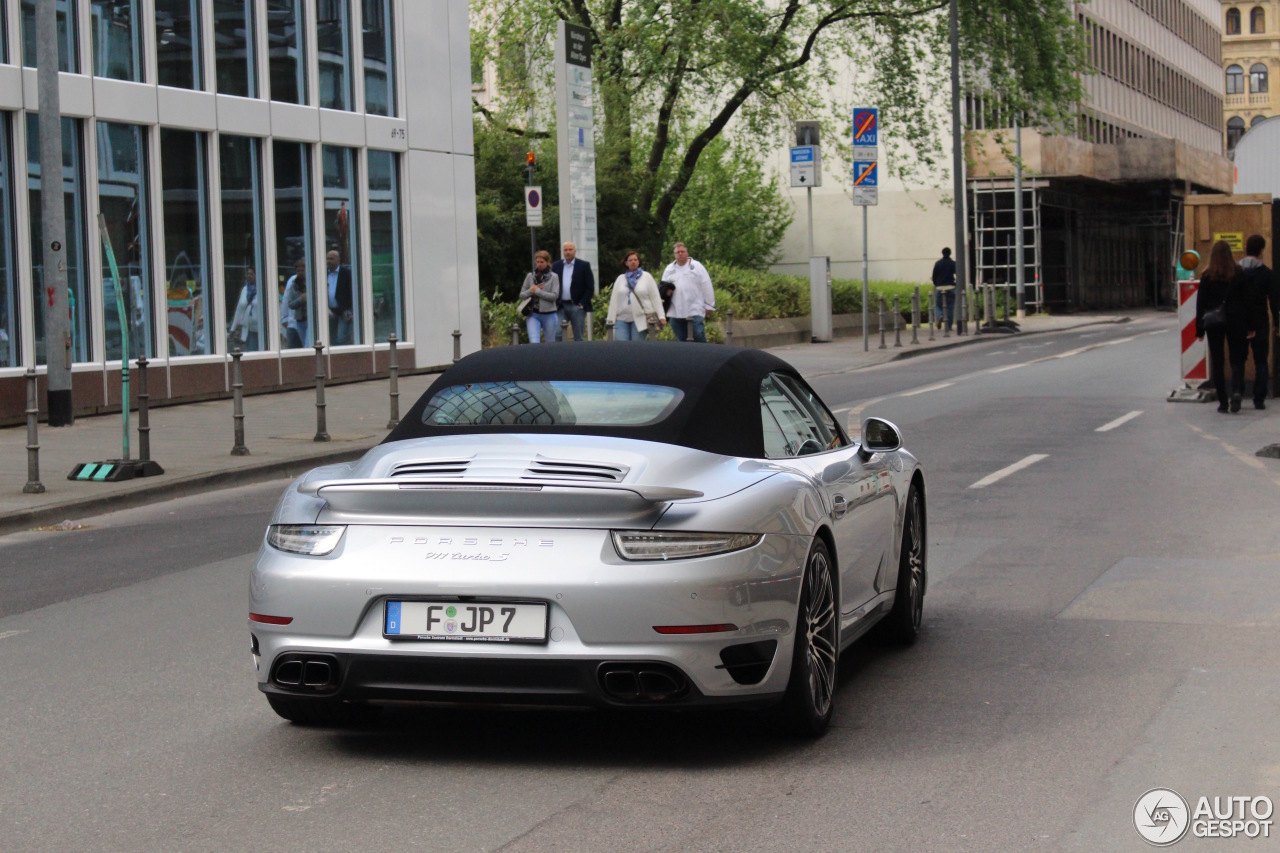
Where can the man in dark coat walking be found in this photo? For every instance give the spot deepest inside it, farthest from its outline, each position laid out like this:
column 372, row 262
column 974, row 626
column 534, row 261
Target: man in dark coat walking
column 944, row 288
column 577, row 286
column 1264, row 296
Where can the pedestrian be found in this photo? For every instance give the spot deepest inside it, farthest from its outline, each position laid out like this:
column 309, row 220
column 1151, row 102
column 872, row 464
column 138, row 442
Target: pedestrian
column 635, row 306
column 577, row 286
column 542, row 289
column 693, row 297
column 243, row 332
column 944, row 288
column 293, row 308
column 1264, row 292
column 341, row 315
column 1222, row 287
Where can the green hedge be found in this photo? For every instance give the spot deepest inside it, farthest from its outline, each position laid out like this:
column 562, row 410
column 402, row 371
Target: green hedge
column 751, row 294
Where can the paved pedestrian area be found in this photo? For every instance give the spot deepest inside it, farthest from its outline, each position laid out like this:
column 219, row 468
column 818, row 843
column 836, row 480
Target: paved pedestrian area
column 193, row 442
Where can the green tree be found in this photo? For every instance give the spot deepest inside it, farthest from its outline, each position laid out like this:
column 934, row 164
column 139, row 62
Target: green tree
column 732, row 213
column 673, row 76
column 502, row 234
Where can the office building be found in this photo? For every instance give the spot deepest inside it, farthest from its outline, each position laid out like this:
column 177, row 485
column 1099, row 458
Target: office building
column 272, row 173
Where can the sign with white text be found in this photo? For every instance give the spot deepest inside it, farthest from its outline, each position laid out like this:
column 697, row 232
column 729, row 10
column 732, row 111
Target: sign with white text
column 575, row 141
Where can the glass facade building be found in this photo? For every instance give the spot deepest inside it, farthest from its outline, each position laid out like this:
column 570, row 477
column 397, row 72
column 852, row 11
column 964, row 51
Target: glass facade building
column 254, row 162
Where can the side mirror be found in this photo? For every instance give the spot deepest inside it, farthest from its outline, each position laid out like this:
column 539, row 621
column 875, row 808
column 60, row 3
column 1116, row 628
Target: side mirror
column 878, row 436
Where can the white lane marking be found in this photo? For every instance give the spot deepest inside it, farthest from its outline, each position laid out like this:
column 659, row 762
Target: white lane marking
column 1120, row 421
column 1008, row 367
column 1159, row 332
column 4, row 635
column 1071, row 352
column 1119, row 341
column 1012, row 469
column 858, row 409
column 926, row 389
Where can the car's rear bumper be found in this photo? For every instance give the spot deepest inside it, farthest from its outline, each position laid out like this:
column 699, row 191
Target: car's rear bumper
column 545, row 682
column 601, row 610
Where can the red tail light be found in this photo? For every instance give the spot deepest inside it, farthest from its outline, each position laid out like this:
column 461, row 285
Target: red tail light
column 270, row 620
column 695, row 629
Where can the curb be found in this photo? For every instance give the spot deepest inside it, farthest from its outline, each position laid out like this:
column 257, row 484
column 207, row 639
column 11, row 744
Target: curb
column 188, row 485
column 971, row 338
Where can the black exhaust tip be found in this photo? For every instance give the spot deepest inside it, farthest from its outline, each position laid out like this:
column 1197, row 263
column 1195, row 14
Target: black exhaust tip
column 306, row 673
column 642, row 682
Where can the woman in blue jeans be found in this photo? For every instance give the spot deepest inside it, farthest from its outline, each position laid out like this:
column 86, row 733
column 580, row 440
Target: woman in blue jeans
column 635, row 303
column 542, row 287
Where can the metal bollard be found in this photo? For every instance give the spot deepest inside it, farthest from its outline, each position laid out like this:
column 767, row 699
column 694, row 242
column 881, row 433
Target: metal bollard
column 897, row 323
column 144, row 408
column 990, row 313
column 608, row 332
column 393, row 371
column 728, row 327
column 976, row 301
column 457, row 346
column 322, row 431
column 960, row 324
column 915, row 316
column 33, row 486
column 933, row 313
column 880, row 323
column 237, row 409
column 1007, row 293
column 564, row 331
column 515, row 334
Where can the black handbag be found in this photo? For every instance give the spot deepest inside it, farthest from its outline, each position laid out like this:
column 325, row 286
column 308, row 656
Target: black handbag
column 526, row 306
column 1216, row 319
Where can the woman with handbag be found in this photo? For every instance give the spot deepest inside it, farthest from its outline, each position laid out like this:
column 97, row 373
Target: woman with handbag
column 539, row 297
column 635, row 305
column 1222, row 313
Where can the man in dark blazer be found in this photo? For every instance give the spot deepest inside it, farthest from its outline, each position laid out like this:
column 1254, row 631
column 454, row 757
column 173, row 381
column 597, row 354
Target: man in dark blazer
column 577, row 286
column 341, row 315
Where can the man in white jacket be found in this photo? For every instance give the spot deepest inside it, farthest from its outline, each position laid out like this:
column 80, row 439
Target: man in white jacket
column 693, row 298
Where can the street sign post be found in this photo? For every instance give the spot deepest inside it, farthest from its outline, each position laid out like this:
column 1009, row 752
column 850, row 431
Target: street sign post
column 866, row 186
column 533, row 206
column 806, row 166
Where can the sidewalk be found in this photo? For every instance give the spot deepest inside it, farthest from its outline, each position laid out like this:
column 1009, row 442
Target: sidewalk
column 193, row 442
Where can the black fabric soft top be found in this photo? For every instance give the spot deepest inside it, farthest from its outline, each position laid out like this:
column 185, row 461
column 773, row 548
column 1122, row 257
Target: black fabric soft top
column 719, row 413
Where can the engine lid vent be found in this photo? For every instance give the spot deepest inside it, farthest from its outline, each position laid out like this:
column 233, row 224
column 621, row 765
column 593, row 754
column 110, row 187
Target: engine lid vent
column 432, row 468
column 543, row 468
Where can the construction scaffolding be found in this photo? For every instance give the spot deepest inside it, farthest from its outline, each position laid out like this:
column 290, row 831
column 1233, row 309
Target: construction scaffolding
column 1086, row 247
column 995, row 235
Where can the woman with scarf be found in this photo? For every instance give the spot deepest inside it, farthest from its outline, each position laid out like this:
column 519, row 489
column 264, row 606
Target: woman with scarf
column 542, row 289
column 635, row 304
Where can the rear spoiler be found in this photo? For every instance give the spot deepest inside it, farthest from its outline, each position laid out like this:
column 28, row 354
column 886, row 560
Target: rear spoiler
column 396, row 496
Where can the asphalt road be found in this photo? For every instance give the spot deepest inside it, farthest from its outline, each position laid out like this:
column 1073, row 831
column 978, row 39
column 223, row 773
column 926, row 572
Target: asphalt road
column 1101, row 620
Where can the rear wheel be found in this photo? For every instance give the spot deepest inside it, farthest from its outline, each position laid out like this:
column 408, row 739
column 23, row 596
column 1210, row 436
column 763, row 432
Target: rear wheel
column 810, row 697
column 321, row 712
column 902, row 625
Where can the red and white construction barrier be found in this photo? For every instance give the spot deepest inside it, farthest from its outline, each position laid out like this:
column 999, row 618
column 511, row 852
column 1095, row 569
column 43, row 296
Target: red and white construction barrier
column 1194, row 367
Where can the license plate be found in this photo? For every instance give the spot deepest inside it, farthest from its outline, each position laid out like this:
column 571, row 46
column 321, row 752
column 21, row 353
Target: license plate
column 474, row 621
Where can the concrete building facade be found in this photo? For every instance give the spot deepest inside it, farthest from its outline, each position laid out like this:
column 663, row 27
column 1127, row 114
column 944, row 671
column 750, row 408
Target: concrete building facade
column 273, row 173
column 1101, row 207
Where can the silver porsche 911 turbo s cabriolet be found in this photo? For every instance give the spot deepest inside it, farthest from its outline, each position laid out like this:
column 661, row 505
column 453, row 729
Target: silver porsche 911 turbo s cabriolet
column 620, row 524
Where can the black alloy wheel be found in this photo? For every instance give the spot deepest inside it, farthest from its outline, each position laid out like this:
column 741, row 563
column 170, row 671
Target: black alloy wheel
column 810, row 697
column 902, row 625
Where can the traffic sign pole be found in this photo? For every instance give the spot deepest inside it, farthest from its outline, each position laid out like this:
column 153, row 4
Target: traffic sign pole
column 866, row 157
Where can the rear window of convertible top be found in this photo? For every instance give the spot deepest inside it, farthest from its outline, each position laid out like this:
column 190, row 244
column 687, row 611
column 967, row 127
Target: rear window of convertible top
column 551, row 403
